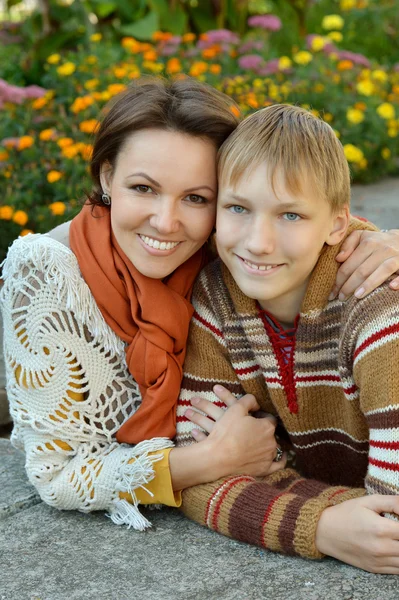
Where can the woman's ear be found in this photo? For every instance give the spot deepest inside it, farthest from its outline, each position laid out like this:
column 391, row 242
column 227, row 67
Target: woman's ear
column 339, row 227
column 106, row 177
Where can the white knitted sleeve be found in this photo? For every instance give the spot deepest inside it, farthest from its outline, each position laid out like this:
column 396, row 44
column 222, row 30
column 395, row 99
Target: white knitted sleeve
column 69, row 387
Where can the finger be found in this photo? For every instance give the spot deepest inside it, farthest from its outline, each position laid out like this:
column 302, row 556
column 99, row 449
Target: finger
column 350, row 269
column 209, row 408
column 394, row 284
column 349, row 245
column 261, row 414
column 201, row 420
column 198, row 435
column 381, row 274
column 380, row 503
column 248, row 402
column 277, row 466
column 223, row 394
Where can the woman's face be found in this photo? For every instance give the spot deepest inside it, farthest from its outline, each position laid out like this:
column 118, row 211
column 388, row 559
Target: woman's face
column 163, row 198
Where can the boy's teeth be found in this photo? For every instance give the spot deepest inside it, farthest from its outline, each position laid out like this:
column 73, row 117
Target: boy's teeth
column 157, row 244
column 259, row 267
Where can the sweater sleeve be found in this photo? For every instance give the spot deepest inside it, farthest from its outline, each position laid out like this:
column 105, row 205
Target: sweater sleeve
column 279, row 512
column 69, row 390
column 374, row 327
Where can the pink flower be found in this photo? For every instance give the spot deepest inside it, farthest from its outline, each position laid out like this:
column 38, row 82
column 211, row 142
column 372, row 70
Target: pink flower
column 218, row 36
column 16, row 95
column 269, row 22
column 269, row 68
column 357, row 59
column 251, row 45
column 250, row 61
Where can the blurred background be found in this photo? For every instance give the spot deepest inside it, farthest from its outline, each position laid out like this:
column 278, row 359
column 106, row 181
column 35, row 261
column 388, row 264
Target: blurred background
column 62, row 60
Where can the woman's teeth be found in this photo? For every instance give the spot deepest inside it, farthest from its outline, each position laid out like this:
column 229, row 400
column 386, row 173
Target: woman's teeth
column 157, row 244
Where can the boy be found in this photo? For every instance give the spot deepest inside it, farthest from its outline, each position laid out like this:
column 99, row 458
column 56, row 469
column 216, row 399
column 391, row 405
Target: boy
column 328, row 370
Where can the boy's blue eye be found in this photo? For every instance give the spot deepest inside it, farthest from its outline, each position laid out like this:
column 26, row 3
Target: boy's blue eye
column 237, row 209
column 291, row 217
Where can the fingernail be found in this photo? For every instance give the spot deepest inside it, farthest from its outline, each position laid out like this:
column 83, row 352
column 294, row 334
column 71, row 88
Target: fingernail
column 195, row 400
column 189, row 413
column 218, row 388
column 331, row 296
column 194, row 432
column 359, row 293
column 394, row 284
column 341, row 297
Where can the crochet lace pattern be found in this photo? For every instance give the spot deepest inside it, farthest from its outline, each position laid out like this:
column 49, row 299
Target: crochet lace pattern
column 69, row 387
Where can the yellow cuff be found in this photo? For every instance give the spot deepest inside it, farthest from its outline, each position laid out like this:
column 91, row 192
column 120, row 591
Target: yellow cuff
column 160, row 486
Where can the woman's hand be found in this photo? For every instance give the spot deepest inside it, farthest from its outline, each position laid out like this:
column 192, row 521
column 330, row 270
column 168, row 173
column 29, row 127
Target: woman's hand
column 356, row 533
column 244, row 443
column 369, row 258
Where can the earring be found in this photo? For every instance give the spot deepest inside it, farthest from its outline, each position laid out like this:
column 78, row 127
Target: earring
column 106, row 199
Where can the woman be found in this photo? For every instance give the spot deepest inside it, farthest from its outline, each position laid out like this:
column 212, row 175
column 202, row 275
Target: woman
column 96, row 317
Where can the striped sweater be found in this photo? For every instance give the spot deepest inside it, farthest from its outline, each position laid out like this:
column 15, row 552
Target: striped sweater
column 338, row 406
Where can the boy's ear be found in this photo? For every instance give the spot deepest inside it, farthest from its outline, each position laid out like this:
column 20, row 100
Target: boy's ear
column 339, row 227
column 106, row 177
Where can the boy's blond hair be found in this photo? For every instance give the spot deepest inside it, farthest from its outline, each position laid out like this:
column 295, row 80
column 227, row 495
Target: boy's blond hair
column 292, row 139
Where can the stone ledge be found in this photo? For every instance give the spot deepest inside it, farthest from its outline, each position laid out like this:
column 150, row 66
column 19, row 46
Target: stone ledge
column 16, row 493
column 53, row 555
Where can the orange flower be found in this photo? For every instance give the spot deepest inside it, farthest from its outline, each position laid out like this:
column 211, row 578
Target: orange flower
column 345, row 65
column 188, row 37
column 70, row 151
column 236, row 112
column 198, row 68
column 81, row 104
column 203, row 36
column 215, row 69
column 150, row 55
column 57, row 208
column 173, row 66
column 26, row 141
column 25, row 232
column 47, row 134
column 129, row 43
column 120, row 72
column 89, row 126
column 53, row 176
column 116, row 88
column 20, row 218
column 6, row 213
column 161, row 36
column 360, row 106
column 86, row 151
column 39, row 103
column 65, row 142
column 3, row 155
column 211, row 52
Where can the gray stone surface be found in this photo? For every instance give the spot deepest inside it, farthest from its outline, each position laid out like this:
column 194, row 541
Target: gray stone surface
column 378, row 202
column 16, row 493
column 51, row 555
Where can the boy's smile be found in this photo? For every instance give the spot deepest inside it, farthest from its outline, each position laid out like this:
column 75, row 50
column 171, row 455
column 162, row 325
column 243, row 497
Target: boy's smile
column 270, row 239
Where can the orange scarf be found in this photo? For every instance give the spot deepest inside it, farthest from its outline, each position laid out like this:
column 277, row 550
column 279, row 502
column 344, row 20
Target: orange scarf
column 151, row 315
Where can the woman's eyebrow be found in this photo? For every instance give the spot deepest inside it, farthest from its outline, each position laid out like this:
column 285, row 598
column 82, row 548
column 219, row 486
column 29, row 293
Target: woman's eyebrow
column 141, row 174
column 200, row 187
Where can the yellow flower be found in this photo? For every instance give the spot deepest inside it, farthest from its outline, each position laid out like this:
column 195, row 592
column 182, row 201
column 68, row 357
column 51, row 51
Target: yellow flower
column 328, row 117
column 25, row 232
column 65, row 142
column 366, row 87
column 6, row 213
column 116, row 88
column 173, row 66
column 386, row 153
column 91, row 59
column 354, row 115
column 39, row 103
column 198, row 68
column 53, row 59
column 46, row 135
column 347, row 4
column 89, row 126
column 152, row 66
column 353, row 154
column 96, row 37
column 363, row 163
column 284, row 63
column 20, row 218
column 319, row 87
column 379, row 75
column 335, row 36
column 81, row 103
column 66, row 69
column 386, row 110
column 120, row 72
column 53, row 176
column 303, row 57
column 393, row 132
column 57, row 208
column 318, row 43
column 3, row 155
column 332, row 22
column 134, row 72
column 70, row 151
column 91, row 84
column 337, row 133
column 26, row 141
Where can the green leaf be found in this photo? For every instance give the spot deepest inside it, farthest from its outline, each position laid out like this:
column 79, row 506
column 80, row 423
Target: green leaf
column 144, row 28
column 104, row 9
column 174, row 21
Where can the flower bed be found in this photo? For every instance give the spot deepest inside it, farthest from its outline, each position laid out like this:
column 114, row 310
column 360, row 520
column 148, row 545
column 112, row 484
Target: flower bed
column 46, row 140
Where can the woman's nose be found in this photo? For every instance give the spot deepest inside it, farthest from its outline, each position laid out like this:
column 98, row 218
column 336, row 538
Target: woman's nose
column 166, row 218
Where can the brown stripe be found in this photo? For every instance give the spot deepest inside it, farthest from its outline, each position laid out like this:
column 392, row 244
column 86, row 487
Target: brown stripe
column 384, row 419
column 328, row 436
column 286, row 533
column 200, row 386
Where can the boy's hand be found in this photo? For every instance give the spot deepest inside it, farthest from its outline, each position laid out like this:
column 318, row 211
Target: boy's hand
column 356, row 533
column 369, row 258
column 248, row 445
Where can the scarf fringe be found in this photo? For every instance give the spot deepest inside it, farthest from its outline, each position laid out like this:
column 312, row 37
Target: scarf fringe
column 60, row 270
column 135, row 475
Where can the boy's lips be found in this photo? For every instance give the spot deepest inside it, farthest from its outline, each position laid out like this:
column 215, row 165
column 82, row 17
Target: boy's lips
column 259, row 268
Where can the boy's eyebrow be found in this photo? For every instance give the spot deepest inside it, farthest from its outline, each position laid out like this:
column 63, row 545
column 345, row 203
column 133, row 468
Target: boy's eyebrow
column 283, row 205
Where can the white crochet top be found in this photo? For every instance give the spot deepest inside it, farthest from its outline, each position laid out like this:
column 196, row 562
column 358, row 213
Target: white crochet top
column 68, row 386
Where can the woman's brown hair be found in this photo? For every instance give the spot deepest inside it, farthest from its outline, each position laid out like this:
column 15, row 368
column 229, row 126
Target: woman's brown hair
column 182, row 105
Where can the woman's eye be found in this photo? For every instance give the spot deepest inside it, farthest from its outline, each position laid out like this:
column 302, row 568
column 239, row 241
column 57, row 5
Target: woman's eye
column 143, row 189
column 236, row 209
column 291, row 217
column 195, row 199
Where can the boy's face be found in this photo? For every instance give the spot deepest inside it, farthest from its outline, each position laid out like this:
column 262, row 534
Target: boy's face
column 271, row 240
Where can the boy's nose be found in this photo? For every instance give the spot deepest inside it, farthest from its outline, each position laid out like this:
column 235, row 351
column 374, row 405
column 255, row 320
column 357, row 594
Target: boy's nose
column 261, row 239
